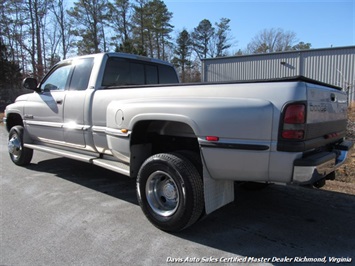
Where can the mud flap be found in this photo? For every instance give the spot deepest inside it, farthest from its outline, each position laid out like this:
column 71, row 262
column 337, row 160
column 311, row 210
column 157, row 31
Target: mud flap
column 217, row 192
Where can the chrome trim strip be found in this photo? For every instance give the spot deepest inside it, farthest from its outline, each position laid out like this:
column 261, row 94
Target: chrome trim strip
column 68, row 126
column 98, row 129
column 73, row 126
column 116, row 132
column 110, row 131
column 45, row 124
column 61, row 143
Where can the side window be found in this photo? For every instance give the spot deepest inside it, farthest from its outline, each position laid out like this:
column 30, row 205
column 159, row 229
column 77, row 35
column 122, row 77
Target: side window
column 151, row 74
column 57, row 80
column 167, row 75
column 116, row 72
column 137, row 74
column 81, row 74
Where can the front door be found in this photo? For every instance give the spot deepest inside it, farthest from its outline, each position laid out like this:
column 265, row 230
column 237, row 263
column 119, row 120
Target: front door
column 43, row 114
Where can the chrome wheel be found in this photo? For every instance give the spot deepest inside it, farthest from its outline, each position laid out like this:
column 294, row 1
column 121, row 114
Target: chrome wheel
column 15, row 146
column 170, row 191
column 18, row 153
column 162, row 193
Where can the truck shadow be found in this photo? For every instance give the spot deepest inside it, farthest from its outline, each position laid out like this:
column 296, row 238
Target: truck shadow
column 281, row 221
column 90, row 176
column 278, row 221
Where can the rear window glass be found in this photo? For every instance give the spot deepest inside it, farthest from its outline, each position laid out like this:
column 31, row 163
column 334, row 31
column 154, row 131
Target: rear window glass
column 167, row 75
column 151, row 74
column 137, row 75
column 121, row 71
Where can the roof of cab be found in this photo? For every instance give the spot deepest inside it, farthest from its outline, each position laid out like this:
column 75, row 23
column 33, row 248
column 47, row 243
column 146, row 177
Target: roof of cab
column 121, row 55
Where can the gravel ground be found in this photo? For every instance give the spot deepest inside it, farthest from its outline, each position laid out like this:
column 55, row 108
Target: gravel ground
column 345, row 176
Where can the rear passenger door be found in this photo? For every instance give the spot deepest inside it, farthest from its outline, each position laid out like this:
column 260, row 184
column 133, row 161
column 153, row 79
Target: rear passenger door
column 77, row 103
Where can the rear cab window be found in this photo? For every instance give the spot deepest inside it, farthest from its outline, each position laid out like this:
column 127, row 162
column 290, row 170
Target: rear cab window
column 126, row 72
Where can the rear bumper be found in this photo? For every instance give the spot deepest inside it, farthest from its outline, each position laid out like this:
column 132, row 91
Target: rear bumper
column 313, row 168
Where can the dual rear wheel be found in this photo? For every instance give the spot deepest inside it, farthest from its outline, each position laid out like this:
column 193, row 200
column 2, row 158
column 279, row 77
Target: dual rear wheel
column 170, row 191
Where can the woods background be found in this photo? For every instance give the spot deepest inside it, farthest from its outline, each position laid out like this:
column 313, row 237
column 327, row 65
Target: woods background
column 36, row 34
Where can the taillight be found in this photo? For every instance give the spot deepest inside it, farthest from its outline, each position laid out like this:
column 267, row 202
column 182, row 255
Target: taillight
column 294, row 120
column 293, row 134
column 295, row 114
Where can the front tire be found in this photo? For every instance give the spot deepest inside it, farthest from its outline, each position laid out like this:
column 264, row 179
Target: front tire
column 170, row 191
column 18, row 153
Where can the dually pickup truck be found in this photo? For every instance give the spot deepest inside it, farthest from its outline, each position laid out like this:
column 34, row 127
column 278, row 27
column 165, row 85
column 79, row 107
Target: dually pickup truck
column 186, row 144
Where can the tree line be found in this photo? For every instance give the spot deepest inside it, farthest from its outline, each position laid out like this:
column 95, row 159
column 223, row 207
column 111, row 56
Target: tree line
column 36, row 34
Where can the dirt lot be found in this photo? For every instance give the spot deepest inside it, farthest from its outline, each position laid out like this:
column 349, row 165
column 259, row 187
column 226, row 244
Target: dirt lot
column 345, row 176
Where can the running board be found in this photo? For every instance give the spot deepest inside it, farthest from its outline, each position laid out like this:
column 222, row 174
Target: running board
column 115, row 166
column 69, row 154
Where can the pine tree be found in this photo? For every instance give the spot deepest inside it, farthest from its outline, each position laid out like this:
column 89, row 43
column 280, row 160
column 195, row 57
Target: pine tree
column 121, row 23
column 139, row 20
column 202, row 37
column 89, row 18
column 152, row 28
column 161, row 27
column 222, row 37
column 10, row 75
column 182, row 54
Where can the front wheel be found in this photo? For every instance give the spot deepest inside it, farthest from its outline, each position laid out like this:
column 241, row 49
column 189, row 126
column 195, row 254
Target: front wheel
column 170, row 191
column 18, row 153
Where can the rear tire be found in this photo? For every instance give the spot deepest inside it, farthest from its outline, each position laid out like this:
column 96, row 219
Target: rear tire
column 170, row 191
column 18, row 153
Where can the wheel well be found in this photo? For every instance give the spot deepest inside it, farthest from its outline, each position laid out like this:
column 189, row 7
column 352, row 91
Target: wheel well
column 13, row 120
column 153, row 137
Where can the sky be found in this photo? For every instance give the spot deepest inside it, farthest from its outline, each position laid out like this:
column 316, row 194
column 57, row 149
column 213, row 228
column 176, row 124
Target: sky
column 322, row 23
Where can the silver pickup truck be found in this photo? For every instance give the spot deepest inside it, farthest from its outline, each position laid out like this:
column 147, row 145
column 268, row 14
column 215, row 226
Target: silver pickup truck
column 186, row 144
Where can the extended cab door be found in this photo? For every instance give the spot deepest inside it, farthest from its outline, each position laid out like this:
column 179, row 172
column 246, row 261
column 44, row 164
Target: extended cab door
column 43, row 112
column 77, row 104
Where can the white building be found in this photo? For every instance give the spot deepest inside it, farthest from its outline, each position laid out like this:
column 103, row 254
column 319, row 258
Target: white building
column 335, row 66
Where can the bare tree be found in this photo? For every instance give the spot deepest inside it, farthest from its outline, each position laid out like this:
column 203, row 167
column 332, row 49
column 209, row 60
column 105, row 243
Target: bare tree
column 62, row 22
column 272, row 40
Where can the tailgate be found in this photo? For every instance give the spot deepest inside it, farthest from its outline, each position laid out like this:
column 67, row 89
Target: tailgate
column 326, row 114
column 323, row 120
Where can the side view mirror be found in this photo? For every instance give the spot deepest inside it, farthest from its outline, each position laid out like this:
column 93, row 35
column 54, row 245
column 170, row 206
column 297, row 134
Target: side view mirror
column 30, row 84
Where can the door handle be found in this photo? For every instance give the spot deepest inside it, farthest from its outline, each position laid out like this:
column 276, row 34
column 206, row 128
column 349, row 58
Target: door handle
column 332, row 97
column 59, row 101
